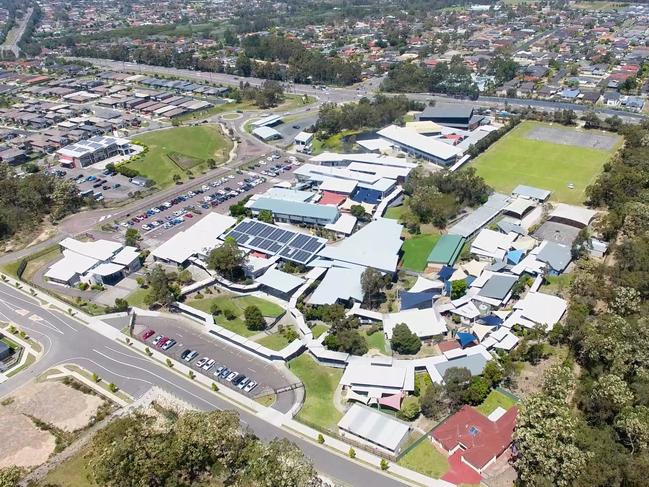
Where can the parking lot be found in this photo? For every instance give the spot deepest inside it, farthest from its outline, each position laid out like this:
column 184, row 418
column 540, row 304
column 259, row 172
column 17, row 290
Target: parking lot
column 97, row 183
column 192, row 336
column 159, row 223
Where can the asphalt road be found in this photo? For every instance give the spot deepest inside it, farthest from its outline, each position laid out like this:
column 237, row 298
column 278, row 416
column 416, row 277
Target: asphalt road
column 67, row 341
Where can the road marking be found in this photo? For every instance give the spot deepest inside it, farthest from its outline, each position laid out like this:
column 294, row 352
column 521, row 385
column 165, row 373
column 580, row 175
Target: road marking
column 22, row 312
column 35, row 318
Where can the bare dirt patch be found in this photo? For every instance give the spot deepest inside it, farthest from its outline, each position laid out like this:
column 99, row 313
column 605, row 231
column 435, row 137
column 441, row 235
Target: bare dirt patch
column 55, row 403
column 578, row 138
column 23, row 443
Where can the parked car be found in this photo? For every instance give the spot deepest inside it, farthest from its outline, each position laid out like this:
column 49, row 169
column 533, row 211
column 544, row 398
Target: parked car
column 156, row 340
column 190, row 356
column 224, row 373
column 168, row 344
column 162, row 341
column 231, row 376
column 251, row 385
column 243, row 383
column 201, row 362
column 209, row 364
column 238, row 380
column 147, row 334
column 218, row 370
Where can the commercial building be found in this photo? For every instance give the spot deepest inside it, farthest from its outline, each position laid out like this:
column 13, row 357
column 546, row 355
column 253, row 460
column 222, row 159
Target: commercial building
column 418, row 145
column 446, row 250
column 98, row 262
column 93, row 150
column 297, row 212
column 303, row 142
column 456, row 116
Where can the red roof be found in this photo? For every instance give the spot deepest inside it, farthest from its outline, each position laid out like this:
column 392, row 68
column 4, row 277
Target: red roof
column 448, row 346
column 330, row 198
column 480, row 438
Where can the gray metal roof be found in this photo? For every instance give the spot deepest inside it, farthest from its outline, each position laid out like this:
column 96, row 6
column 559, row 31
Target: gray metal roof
column 555, row 255
column 376, row 427
column 531, row 192
column 478, row 218
column 498, row 286
column 475, row 364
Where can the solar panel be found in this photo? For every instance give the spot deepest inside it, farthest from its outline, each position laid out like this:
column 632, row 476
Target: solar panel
column 243, row 239
column 286, row 252
column 311, row 239
column 312, row 246
column 266, row 244
column 256, row 228
column 285, row 237
column 275, row 248
column 276, row 233
column 299, row 241
column 244, row 226
column 473, row 431
column 301, row 256
column 266, row 232
column 256, row 241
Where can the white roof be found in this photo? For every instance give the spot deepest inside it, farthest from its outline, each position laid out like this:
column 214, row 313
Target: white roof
column 338, row 283
column 538, row 308
column 345, row 224
column 98, row 250
column 365, row 373
column 319, row 173
column 389, row 172
column 266, row 132
column 303, row 137
column 374, row 159
column 362, row 249
column 70, row 265
column 271, row 119
column 480, row 216
column 427, row 145
column 199, row 238
column 422, row 322
column 577, row 214
column 126, row 256
column 287, row 194
column 490, row 243
column 336, row 185
column 106, row 269
column 280, row 281
column 374, row 144
column 374, row 426
column 519, row 206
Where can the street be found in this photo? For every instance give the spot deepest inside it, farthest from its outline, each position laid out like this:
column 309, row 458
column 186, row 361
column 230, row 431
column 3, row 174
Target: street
column 65, row 340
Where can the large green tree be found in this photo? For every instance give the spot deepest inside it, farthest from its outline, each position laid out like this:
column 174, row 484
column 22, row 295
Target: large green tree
column 227, row 258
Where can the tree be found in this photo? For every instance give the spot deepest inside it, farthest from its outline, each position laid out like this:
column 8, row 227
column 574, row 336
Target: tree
column 243, row 64
column 410, row 409
column 121, row 305
column 404, row 341
column 359, row 212
column 456, row 383
column 132, row 237
column 608, row 397
column 265, row 216
column 177, row 178
column 458, row 289
column 226, row 258
column 281, row 463
column 626, row 301
column 432, row 403
column 161, row 289
column 254, row 319
column 9, row 476
column 371, row 283
column 477, row 391
column 545, row 437
column 346, row 340
column 633, row 423
column 493, row 373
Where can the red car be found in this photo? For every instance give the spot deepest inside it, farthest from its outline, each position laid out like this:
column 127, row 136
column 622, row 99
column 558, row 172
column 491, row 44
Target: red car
column 147, row 334
column 162, row 341
column 189, row 215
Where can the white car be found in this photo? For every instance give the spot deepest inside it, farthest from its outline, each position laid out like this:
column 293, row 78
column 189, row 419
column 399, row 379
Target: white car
column 230, row 176
column 167, row 204
column 146, row 227
column 179, row 212
column 209, row 364
column 250, row 386
column 201, row 362
column 191, row 356
column 191, row 194
column 243, row 383
column 205, row 187
column 231, row 376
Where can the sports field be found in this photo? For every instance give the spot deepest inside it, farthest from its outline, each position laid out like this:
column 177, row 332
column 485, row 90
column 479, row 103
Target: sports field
column 549, row 157
column 180, row 150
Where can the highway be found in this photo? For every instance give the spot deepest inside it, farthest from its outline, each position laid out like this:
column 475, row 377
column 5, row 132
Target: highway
column 66, row 340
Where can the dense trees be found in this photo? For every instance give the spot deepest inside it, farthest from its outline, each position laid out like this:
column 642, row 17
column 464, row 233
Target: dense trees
column 162, row 289
column 452, row 78
column 25, row 201
column 372, row 283
column 190, row 449
column 366, row 114
column 254, row 319
column 437, row 197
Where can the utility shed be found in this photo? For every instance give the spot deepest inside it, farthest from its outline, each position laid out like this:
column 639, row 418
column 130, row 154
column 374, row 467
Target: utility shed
column 446, row 250
column 371, row 426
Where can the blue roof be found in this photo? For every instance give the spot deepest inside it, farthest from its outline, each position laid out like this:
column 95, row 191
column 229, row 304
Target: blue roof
column 417, row 300
column 367, row 195
column 491, row 320
column 465, row 338
column 445, row 273
column 514, row 256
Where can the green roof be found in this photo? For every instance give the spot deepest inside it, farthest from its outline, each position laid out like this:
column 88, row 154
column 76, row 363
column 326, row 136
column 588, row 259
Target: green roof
column 447, row 250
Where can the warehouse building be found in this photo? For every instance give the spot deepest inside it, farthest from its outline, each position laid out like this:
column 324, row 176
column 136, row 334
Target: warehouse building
column 93, row 150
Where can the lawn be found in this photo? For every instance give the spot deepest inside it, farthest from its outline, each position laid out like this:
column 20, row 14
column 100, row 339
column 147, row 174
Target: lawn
column 318, row 330
column 395, row 212
column 334, row 143
column 495, row 399
column 276, row 341
column 196, row 144
column 320, row 383
column 136, row 298
column 425, row 459
column 515, row 160
column 557, row 285
column 71, row 473
column 236, row 304
column 416, row 250
column 377, row 341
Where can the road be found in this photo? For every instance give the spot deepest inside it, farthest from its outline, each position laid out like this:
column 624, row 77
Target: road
column 15, row 35
column 66, row 340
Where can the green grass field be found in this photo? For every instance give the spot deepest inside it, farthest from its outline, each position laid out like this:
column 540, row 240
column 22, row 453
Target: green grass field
column 416, row 250
column 395, row 212
column 136, row 298
column 376, row 340
column 319, row 384
column 495, row 399
column 318, row 330
column 196, row 143
column 71, row 473
column 515, row 159
column 274, row 341
column 237, row 304
column 425, row 459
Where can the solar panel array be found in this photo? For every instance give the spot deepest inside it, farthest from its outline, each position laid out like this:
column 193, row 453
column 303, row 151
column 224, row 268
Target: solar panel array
column 272, row 240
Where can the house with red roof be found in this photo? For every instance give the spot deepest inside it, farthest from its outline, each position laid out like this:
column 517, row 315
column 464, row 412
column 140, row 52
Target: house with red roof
column 477, row 439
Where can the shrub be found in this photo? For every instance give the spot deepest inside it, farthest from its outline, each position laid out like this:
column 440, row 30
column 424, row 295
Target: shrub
column 321, row 439
column 229, row 314
column 215, row 388
column 384, row 464
column 352, row 453
column 112, row 388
